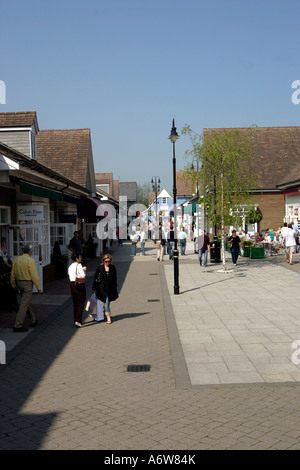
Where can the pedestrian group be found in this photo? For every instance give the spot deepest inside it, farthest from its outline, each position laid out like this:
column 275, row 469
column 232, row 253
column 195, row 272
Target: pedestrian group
column 24, row 275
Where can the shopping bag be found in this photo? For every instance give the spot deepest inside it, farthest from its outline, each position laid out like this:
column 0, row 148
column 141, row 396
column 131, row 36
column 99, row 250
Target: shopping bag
column 94, row 308
column 99, row 314
column 91, row 305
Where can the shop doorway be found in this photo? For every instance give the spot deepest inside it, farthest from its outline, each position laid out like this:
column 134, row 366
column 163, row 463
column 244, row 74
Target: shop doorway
column 38, row 237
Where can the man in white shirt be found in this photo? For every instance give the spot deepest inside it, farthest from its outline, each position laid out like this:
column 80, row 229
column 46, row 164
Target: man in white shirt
column 182, row 241
column 289, row 242
column 284, row 229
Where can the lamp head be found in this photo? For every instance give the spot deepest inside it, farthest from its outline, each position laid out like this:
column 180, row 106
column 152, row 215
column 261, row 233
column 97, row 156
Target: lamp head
column 173, row 136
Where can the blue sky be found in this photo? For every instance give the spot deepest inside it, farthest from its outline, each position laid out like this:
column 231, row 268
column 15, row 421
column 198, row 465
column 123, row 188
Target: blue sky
column 126, row 68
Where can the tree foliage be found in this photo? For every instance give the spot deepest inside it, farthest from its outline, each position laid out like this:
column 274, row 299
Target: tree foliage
column 226, row 174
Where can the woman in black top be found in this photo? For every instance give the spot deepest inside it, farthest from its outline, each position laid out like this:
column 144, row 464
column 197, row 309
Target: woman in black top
column 235, row 246
column 105, row 284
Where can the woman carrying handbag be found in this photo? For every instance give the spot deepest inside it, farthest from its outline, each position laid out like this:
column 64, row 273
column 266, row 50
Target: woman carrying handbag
column 77, row 286
column 105, row 285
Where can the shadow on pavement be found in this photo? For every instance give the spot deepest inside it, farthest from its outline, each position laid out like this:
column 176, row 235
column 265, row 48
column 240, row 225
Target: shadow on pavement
column 21, row 431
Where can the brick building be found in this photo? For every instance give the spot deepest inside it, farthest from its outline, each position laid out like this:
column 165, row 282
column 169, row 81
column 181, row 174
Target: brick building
column 276, row 153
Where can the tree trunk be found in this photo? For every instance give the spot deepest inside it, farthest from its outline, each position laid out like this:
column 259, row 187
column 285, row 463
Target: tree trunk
column 223, row 225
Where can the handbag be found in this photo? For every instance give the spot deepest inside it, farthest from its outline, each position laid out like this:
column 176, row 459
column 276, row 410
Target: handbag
column 79, row 281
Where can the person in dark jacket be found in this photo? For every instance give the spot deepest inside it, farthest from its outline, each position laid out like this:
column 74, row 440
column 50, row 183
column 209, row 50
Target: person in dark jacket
column 171, row 241
column 203, row 247
column 234, row 241
column 75, row 244
column 105, row 285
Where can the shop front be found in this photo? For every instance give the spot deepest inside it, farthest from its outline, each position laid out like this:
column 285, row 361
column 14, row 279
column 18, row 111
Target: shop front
column 35, row 209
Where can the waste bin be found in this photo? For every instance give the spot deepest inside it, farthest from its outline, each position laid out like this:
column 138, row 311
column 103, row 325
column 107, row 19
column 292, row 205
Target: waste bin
column 215, row 251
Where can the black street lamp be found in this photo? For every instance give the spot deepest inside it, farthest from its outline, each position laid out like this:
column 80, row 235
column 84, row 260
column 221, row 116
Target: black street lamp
column 155, row 181
column 173, row 137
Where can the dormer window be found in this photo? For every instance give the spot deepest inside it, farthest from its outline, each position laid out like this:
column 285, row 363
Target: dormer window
column 19, row 131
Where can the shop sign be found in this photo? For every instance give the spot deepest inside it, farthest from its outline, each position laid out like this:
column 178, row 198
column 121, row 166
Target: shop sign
column 32, row 212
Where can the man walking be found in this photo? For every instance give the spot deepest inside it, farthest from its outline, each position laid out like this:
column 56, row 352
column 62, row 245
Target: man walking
column 23, row 275
column 182, row 241
column 202, row 242
column 289, row 242
column 75, row 244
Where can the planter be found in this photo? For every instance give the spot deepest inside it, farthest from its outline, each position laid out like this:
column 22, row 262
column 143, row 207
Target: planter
column 60, row 269
column 91, row 250
column 246, row 251
column 257, row 252
column 227, row 247
column 60, row 262
column 91, row 247
column 8, row 298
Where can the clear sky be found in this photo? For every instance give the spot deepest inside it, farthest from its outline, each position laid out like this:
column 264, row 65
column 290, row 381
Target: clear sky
column 126, row 68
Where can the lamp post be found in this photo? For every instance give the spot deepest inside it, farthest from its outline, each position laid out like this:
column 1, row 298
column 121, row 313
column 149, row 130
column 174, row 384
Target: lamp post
column 155, row 181
column 173, row 137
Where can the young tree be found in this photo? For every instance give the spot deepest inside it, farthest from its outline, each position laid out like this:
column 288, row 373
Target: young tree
column 142, row 193
column 226, row 177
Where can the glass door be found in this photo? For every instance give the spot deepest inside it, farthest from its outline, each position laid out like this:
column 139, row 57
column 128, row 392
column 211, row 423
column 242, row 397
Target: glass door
column 35, row 235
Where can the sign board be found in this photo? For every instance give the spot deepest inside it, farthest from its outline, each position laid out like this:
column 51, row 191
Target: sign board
column 30, row 212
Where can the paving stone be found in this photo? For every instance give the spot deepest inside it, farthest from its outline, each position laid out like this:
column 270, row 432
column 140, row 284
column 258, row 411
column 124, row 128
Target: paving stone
column 69, row 389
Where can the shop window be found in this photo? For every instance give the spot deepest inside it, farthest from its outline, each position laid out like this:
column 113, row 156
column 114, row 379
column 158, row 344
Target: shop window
column 290, row 211
column 4, row 215
column 59, row 234
column 91, row 229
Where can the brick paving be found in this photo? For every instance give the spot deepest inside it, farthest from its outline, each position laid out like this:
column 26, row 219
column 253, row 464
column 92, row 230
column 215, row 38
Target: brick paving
column 67, row 388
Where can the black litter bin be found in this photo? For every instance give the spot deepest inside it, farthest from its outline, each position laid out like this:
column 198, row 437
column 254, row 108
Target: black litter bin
column 215, row 251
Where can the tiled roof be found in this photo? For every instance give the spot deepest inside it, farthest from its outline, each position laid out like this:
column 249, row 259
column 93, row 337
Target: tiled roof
column 36, row 166
column 105, row 178
column 276, row 151
column 151, row 198
column 103, row 175
column 66, row 152
column 22, row 119
column 292, row 176
column 128, row 189
column 183, row 186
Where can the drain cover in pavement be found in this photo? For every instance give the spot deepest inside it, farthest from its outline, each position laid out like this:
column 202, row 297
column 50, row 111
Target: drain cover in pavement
column 153, row 300
column 138, row 368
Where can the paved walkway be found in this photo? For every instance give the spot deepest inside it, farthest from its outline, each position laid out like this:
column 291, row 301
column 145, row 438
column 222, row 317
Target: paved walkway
column 238, row 327
column 217, row 360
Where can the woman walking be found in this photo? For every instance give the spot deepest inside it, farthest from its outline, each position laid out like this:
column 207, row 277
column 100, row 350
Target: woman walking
column 77, row 286
column 235, row 241
column 105, row 285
